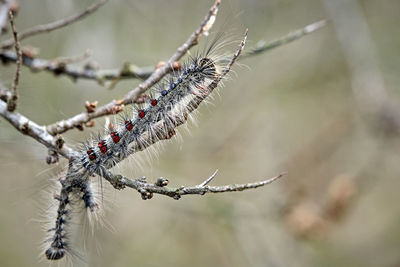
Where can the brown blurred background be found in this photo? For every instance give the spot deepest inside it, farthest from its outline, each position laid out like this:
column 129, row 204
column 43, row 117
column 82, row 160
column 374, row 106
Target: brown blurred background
column 323, row 108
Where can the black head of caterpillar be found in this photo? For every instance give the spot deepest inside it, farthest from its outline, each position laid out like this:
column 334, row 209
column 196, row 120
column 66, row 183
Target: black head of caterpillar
column 207, row 67
column 55, row 252
column 203, row 68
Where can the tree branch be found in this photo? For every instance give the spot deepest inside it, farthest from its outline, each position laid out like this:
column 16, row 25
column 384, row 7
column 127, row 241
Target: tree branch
column 128, row 71
column 12, row 101
column 37, row 132
column 208, row 180
column 54, row 25
column 263, row 46
column 131, row 71
column 147, row 189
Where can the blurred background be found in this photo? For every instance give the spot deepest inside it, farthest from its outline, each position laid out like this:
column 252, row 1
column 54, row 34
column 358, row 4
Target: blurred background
column 323, row 108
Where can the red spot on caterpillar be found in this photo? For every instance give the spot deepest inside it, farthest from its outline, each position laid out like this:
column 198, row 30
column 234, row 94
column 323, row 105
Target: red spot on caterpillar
column 128, row 125
column 92, row 155
column 153, row 102
column 115, row 137
column 141, row 114
column 103, row 147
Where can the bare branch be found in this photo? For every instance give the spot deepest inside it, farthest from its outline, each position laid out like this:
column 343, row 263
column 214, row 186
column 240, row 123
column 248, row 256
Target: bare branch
column 209, row 179
column 12, row 101
column 263, row 46
column 148, row 189
column 37, row 132
column 117, row 106
column 128, row 71
column 55, row 25
column 131, row 71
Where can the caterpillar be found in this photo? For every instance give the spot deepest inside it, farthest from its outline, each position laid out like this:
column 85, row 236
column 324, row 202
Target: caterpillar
column 170, row 105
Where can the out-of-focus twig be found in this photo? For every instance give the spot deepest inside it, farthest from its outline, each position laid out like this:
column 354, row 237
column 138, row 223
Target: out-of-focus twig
column 54, row 25
column 263, row 46
column 117, row 106
column 129, row 71
column 4, row 8
column 367, row 81
column 12, row 101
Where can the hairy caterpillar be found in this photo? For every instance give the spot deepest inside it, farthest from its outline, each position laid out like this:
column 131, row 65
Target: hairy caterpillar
column 172, row 104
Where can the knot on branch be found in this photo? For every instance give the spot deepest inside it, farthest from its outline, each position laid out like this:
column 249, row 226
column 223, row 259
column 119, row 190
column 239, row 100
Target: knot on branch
column 59, row 141
column 12, row 102
column 145, row 194
column 59, row 68
column 177, row 193
column 24, row 128
column 117, row 182
column 161, row 182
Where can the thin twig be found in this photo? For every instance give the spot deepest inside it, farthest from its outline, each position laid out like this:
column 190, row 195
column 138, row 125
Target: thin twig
column 129, row 71
column 117, row 106
column 55, row 25
column 209, row 179
column 263, row 46
column 148, row 189
column 12, row 101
